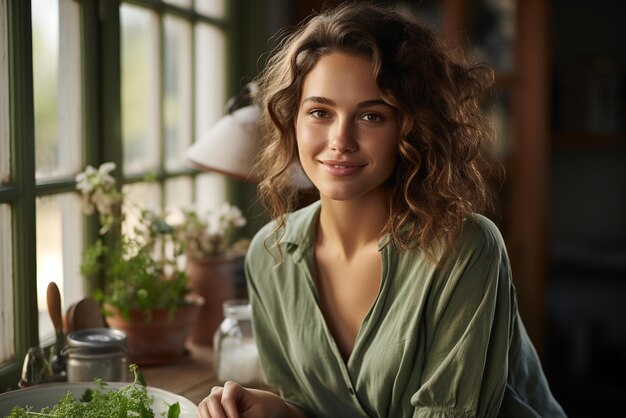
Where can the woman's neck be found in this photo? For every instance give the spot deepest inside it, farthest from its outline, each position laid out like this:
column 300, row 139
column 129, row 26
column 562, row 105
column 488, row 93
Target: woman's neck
column 348, row 226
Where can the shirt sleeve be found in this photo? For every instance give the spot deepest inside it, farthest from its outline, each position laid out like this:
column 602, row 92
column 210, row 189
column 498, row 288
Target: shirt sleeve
column 468, row 330
column 270, row 340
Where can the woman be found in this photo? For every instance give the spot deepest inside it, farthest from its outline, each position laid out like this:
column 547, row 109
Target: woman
column 390, row 296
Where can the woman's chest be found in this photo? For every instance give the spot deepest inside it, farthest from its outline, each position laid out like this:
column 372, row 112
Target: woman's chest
column 346, row 291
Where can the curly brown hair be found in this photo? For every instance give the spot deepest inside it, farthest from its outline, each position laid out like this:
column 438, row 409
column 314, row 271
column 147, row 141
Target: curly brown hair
column 439, row 178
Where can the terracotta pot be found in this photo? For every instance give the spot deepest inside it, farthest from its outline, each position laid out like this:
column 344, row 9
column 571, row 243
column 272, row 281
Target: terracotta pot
column 160, row 340
column 215, row 279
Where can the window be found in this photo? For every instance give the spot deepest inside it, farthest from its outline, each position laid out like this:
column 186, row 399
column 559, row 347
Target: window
column 133, row 82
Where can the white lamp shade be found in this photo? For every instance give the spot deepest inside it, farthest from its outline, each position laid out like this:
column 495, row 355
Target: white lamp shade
column 230, row 146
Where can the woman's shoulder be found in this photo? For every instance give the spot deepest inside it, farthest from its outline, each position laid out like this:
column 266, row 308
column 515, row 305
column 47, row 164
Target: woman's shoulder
column 480, row 229
column 480, row 238
column 476, row 261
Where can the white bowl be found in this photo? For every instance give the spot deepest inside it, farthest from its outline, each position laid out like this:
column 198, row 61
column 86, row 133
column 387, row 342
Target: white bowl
column 49, row 394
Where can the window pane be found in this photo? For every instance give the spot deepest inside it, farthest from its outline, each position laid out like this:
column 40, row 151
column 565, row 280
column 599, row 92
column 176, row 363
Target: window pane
column 69, row 99
column 214, row 8
column 56, row 73
column 177, row 94
column 210, row 191
column 5, row 161
column 210, row 76
column 6, row 282
column 45, row 15
column 59, row 246
column 140, row 89
column 178, row 193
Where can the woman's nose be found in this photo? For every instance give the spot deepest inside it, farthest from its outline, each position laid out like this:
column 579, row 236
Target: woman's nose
column 341, row 136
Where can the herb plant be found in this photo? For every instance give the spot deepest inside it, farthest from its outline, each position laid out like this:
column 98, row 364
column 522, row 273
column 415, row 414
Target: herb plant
column 140, row 267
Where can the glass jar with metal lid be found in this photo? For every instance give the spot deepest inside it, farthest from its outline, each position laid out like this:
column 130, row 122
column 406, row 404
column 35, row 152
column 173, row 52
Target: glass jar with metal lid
column 97, row 353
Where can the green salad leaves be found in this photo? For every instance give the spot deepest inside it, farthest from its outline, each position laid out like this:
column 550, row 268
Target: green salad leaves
column 131, row 400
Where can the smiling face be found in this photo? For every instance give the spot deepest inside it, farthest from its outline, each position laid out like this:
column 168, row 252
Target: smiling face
column 347, row 135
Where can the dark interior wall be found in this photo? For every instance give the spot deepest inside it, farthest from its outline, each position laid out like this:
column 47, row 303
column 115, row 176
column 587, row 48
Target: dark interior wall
column 586, row 288
column 588, row 197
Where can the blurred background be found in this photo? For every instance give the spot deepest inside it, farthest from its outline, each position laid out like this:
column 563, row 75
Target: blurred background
column 136, row 82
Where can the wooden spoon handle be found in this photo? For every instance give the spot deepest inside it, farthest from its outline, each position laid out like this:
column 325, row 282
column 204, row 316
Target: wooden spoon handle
column 54, row 306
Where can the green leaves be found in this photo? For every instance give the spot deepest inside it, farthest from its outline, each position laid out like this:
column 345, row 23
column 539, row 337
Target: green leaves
column 173, row 411
column 136, row 280
column 131, row 400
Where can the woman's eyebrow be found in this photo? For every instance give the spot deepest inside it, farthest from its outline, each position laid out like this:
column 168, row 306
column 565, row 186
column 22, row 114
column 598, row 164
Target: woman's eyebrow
column 375, row 102
column 319, row 100
column 327, row 101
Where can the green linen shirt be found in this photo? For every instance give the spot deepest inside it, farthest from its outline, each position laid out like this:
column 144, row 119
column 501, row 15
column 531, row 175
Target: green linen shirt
column 439, row 342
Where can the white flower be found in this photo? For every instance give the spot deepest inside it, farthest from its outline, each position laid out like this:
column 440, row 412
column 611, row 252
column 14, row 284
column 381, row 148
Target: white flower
column 175, row 217
column 100, row 194
column 104, row 201
column 105, row 177
column 230, row 216
column 212, row 233
column 84, row 181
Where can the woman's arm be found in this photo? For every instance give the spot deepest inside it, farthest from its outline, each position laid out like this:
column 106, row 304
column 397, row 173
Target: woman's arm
column 469, row 325
column 235, row 401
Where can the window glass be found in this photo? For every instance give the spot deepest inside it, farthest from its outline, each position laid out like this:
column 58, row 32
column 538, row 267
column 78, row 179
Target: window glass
column 69, row 92
column 177, row 93
column 214, row 8
column 6, row 284
column 140, row 89
column 5, row 167
column 210, row 75
column 210, row 191
column 59, row 251
column 178, row 193
column 56, row 69
column 45, row 15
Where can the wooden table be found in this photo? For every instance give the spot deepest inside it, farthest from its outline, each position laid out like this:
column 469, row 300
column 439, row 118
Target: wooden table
column 192, row 376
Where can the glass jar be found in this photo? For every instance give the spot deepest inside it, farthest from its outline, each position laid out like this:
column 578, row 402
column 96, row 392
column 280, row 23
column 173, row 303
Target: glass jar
column 236, row 355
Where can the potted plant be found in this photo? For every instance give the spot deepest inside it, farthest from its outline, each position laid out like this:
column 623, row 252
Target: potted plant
column 145, row 294
column 214, row 262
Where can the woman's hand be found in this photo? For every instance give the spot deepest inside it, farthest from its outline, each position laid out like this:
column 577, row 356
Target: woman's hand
column 234, row 401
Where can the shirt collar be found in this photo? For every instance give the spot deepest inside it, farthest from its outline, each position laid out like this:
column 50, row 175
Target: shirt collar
column 300, row 230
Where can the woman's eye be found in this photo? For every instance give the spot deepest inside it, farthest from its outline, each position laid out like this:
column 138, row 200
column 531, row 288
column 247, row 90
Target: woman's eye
column 371, row 117
column 318, row 113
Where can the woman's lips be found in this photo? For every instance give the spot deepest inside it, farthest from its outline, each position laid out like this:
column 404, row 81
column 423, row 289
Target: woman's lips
column 341, row 168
